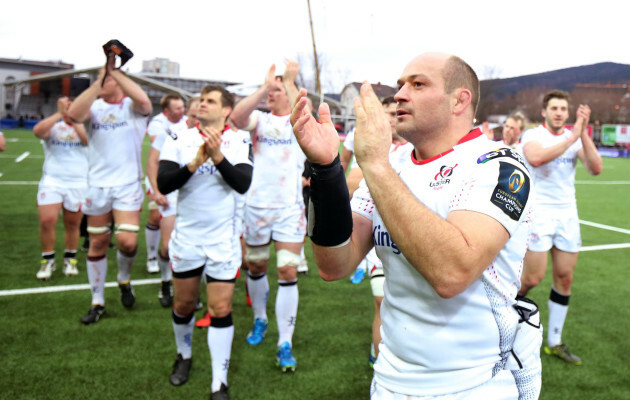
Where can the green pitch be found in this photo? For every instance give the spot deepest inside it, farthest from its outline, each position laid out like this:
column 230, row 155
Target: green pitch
column 47, row 353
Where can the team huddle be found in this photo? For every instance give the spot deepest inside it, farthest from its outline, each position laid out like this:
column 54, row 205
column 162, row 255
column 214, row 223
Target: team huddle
column 446, row 219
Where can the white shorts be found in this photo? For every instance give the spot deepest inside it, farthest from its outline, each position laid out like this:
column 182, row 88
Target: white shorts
column 501, row 387
column 220, row 261
column 102, row 200
column 72, row 198
column 376, row 273
column 171, row 209
column 286, row 225
column 560, row 229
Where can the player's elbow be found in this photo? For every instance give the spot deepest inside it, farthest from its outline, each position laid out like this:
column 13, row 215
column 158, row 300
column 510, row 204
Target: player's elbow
column 597, row 168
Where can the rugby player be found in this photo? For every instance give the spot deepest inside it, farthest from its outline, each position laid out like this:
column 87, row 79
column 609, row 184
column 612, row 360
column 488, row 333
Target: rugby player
column 171, row 118
column 450, row 225
column 209, row 165
column 553, row 151
column 117, row 113
column 274, row 208
column 62, row 186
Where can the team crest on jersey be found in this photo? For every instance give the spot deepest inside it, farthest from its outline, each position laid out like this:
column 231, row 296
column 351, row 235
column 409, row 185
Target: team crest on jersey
column 442, row 177
column 108, row 119
column 512, row 190
column 500, row 153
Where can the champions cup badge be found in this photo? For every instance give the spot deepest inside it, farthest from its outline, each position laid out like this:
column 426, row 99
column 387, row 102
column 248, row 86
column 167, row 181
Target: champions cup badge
column 516, row 181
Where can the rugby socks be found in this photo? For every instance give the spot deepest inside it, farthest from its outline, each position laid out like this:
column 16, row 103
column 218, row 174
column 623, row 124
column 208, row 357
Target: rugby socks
column 183, row 326
column 96, row 271
column 69, row 254
column 558, row 307
column 258, row 287
column 165, row 268
column 125, row 262
column 286, row 310
column 220, row 335
column 152, row 238
column 48, row 255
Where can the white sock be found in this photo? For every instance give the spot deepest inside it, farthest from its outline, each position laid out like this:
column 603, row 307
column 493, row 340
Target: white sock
column 96, row 271
column 286, row 310
column 125, row 262
column 152, row 238
column 258, row 292
column 165, row 269
column 183, row 334
column 220, row 346
column 558, row 307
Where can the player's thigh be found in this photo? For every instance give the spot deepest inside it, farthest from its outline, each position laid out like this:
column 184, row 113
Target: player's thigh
column 535, row 263
column 49, row 213
column 167, row 224
column 563, row 262
column 72, row 219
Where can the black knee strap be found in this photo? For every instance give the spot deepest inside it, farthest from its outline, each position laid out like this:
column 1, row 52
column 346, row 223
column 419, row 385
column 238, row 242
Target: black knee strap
column 224, row 322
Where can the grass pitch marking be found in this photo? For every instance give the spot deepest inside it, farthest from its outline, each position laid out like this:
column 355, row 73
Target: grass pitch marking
column 606, row 247
column 607, row 227
column 22, row 156
column 65, row 288
column 603, row 182
column 19, row 183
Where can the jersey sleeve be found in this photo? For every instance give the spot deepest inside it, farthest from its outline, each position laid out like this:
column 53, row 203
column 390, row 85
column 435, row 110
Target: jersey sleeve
column 242, row 149
column 170, row 151
column 158, row 142
column 361, row 202
column 155, row 128
column 499, row 188
column 349, row 142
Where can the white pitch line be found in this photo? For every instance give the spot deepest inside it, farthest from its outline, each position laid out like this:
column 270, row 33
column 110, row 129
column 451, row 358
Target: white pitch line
column 65, row 288
column 603, row 182
column 19, row 183
column 606, row 247
column 22, row 156
column 607, row 227
column 12, row 140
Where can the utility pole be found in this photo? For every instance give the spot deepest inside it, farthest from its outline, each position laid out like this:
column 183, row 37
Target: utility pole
column 318, row 85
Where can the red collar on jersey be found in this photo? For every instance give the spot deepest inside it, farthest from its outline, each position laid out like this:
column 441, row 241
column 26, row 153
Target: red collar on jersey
column 475, row 133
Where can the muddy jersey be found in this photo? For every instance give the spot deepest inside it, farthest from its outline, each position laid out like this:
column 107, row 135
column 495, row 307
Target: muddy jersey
column 278, row 163
column 65, row 158
column 206, row 205
column 432, row 345
column 115, row 139
column 555, row 180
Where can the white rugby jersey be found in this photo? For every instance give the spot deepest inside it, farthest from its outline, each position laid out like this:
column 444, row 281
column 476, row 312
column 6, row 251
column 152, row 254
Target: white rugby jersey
column 555, row 180
column 65, row 157
column 206, row 204
column 160, row 125
column 432, row 345
column 115, row 140
column 348, row 144
column 278, row 163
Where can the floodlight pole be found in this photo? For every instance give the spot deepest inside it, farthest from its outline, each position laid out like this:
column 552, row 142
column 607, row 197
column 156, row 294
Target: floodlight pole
column 318, row 86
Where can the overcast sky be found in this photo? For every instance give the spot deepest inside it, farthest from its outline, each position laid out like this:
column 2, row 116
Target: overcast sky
column 237, row 40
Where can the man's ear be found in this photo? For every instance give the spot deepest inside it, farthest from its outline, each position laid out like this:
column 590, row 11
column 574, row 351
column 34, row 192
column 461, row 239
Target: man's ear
column 462, row 99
